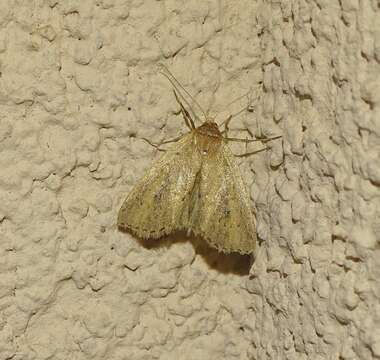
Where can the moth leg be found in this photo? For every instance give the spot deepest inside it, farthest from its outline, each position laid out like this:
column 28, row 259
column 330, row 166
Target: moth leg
column 246, row 145
column 224, row 132
column 251, row 153
column 171, row 140
column 248, row 131
column 229, row 118
column 253, row 140
column 152, row 144
column 265, row 140
column 188, row 120
column 226, row 123
column 236, row 100
column 246, row 141
column 157, row 146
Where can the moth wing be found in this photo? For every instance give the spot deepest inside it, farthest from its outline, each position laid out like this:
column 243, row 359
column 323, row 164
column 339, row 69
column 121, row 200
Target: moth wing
column 222, row 213
column 154, row 206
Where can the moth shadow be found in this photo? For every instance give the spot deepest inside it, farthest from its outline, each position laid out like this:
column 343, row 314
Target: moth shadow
column 225, row 263
column 232, row 263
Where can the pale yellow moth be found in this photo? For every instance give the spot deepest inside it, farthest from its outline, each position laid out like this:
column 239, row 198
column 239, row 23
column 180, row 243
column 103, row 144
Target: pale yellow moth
column 194, row 186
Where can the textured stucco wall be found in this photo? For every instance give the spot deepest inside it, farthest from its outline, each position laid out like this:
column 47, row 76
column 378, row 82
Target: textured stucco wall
column 79, row 88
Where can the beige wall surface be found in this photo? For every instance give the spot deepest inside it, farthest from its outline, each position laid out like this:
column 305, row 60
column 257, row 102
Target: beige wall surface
column 79, row 89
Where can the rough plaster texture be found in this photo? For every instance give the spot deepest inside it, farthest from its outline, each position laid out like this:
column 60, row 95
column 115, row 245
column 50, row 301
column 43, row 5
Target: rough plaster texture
column 79, row 88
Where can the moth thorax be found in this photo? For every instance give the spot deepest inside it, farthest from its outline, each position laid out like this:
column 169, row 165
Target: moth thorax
column 209, row 128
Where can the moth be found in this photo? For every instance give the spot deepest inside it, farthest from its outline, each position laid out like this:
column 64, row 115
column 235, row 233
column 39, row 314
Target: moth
column 195, row 186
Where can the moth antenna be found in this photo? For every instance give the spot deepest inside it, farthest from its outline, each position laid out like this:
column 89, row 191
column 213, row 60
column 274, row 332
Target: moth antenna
column 231, row 103
column 178, row 95
column 177, row 85
column 188, row 120
column 227, row 121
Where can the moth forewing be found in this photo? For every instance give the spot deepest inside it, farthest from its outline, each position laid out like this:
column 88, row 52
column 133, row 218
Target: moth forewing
column 223, row 215
column 153, row 207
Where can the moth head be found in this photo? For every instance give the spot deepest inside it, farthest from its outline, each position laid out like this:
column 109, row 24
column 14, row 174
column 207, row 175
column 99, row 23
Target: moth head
column 210, row 128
